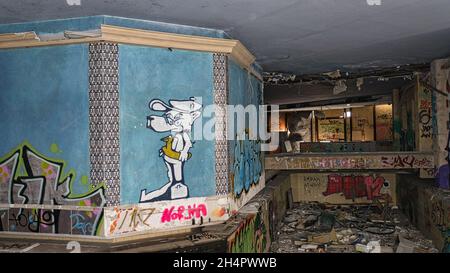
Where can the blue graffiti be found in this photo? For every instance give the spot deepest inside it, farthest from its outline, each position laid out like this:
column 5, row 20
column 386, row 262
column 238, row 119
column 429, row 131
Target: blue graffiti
column 79, row 223
column 247, row 165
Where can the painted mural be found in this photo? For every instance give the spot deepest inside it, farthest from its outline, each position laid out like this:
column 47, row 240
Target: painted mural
column 27, row 177
column 164, row 80
column 176, row 120
column 299, row 126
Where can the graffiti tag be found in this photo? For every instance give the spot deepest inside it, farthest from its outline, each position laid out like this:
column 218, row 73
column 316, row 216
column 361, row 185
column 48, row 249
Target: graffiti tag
column 182, row 213
column 27, row 177
column 130, row 219
column 408, row 161
column 355, row 186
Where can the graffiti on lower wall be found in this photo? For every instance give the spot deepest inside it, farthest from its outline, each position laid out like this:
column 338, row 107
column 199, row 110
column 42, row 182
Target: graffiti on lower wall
column 177, row 120
column 30, row 178
column 343, row 188
column 183, row 213
column 369, row 161
column 247, row 166
column 252, row 235
column 440, row 218
column 164, row 214
column 356, row 186
column 406, row 161
column 427, row 207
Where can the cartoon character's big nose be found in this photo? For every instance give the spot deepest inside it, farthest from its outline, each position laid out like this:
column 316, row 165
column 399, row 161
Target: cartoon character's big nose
column 158, row 124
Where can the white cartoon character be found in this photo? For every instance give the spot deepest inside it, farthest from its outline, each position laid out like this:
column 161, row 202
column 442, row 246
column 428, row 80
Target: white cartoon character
column 178, row 118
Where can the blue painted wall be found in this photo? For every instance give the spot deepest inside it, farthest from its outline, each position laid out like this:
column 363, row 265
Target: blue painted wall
column 45, row 100
column 244, row 89
column 154, row 73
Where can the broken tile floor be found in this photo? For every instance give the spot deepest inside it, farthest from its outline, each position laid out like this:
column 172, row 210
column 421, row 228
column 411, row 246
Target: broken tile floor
column 320, row 228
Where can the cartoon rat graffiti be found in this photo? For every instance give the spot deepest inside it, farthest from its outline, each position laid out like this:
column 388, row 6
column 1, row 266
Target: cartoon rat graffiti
column 177, row 118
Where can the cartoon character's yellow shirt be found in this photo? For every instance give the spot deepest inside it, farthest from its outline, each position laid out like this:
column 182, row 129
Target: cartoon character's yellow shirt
column 169, row 152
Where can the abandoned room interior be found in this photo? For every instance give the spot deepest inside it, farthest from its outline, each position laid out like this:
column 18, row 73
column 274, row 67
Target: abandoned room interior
column 225, row 126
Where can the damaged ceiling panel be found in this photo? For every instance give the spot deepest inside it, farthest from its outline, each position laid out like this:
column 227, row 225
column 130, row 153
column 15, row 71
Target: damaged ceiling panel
column 293, row 36
column 323, row 93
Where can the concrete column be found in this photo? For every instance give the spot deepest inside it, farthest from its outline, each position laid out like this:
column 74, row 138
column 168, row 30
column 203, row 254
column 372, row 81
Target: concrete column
column 397, row 122
column 440, row 79
column 104, row 118
column 424, row 128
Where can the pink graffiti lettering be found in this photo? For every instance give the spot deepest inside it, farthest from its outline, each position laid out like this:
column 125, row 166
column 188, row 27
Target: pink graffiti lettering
column 183, row 213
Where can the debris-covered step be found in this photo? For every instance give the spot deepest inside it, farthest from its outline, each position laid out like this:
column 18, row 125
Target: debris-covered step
column 374, row 228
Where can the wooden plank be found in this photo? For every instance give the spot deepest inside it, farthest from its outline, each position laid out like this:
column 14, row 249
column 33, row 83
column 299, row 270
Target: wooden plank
column 19, row 37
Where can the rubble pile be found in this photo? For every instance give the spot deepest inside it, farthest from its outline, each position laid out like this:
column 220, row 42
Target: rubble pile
column 373, row 228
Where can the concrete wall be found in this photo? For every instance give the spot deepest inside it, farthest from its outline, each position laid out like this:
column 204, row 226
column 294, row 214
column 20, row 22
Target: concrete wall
column 45, row 142
column 45, row 102
column 427, row 207
column 246, row 158
column 255, row 226
column 440, row 79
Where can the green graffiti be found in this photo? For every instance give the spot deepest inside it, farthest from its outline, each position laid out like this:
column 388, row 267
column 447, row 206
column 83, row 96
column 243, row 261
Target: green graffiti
column 32, row 178
column 30, row 162
column 250, row 237
column 410, row 134
column 54, row 148
column 397, row 126
column 84, row 180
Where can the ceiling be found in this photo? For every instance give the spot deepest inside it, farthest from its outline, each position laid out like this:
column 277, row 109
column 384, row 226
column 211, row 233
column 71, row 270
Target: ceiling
column 291, row 36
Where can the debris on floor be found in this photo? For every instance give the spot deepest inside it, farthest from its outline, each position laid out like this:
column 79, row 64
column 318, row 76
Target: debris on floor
column 319, row 228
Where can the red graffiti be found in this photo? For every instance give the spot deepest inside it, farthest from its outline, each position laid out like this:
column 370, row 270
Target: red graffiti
column 425, row 104
column 183, row 213
column 355, row 186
